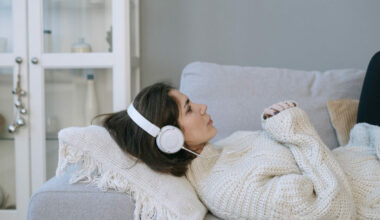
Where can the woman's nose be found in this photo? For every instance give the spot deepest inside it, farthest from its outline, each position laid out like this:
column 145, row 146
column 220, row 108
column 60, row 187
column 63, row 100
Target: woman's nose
column 203, row 109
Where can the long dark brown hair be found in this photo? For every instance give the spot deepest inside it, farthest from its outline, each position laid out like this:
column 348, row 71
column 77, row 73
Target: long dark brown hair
column 156, row 105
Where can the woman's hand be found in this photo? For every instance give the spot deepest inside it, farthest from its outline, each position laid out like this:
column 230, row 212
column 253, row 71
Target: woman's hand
column 277, row 108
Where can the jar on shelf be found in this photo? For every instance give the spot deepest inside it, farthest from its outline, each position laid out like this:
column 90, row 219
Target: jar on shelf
column 81, row 46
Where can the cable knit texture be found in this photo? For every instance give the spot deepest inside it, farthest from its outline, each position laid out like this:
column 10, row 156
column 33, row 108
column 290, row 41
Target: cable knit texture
column 282, row 172
column 360, row 160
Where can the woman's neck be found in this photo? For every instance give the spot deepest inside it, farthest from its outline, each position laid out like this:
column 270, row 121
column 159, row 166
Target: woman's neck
column 197, row 148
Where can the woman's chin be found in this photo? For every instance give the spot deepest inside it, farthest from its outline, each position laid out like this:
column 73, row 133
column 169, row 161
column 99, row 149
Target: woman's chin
column 215, row 132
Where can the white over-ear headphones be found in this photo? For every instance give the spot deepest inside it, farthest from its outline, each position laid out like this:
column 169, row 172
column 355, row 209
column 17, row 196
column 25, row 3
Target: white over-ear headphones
column 169, row 139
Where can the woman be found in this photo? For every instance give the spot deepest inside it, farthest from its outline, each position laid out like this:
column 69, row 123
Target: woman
column 284, row 171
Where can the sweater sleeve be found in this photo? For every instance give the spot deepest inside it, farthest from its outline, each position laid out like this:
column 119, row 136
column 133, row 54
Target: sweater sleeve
column 321, row 190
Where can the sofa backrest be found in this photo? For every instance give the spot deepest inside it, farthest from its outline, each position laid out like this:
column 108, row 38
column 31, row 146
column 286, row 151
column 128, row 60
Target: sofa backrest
column 236, row 96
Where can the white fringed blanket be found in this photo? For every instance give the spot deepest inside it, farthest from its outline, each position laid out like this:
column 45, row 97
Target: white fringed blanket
column 104, row 164
column 286, row 172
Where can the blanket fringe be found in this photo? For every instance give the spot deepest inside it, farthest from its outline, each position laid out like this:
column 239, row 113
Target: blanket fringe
column 94, row 172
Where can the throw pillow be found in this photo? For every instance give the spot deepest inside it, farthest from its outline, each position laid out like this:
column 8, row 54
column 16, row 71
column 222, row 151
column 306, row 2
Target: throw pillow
column 343, row 114
column 103, row 163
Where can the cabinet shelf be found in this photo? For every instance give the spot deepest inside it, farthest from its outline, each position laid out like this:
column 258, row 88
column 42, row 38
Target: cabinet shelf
column 76, row 5
column 7, row 139
column 83, row 60
column 12, row 139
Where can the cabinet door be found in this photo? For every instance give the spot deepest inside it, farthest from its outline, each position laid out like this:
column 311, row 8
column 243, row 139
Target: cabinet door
column 72, row 97
column 14, row 147
column 76, row 70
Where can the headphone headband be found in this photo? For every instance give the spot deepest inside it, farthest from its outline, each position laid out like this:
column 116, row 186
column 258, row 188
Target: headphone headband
column 142, row 122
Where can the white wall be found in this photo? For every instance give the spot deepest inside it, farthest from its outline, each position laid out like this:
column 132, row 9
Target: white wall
column 297, row 34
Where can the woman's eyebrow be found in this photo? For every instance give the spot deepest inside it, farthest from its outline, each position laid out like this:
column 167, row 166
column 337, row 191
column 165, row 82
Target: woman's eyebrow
column 186, row 103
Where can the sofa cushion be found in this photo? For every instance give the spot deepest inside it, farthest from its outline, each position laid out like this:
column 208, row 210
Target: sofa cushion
column 236, row 95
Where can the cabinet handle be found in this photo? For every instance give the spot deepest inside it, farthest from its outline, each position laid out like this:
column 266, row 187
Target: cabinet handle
column 34, row 60
column 18, row 60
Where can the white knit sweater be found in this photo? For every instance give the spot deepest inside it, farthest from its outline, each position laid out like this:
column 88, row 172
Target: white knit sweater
column 360, row 161
column 282, row 172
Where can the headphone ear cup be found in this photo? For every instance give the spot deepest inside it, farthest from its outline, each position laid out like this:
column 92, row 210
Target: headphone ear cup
column 170, row 139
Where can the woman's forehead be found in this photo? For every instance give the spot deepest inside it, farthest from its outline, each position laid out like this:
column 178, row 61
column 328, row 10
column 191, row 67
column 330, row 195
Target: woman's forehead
column 178, row 95
column 180, row 99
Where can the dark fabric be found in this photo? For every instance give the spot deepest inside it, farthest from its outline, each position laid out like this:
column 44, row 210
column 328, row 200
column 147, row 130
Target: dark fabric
column 369, row 103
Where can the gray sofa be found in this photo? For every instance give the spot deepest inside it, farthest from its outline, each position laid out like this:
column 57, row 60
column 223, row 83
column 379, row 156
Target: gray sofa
column 235, row 97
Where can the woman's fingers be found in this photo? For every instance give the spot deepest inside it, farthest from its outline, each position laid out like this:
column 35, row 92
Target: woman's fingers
column 269, row 111
column 292, row 103
column 284, row 105
column 278, row 107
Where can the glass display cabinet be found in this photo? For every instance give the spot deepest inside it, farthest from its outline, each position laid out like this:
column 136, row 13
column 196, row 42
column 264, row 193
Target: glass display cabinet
column 62, row 62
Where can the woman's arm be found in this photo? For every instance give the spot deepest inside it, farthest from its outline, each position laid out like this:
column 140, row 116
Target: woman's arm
column 324, row 183
column 286, row 173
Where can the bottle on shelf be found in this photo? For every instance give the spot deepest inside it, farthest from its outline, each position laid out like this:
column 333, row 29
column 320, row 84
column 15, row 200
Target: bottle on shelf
column 91, row 103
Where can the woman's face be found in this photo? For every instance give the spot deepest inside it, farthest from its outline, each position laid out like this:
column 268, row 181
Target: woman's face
column 195, row 123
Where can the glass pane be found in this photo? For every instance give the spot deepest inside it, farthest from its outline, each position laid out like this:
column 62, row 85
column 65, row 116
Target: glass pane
column 6, row 26
column 72, row 98
column 77, row 26
column 7, row 144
